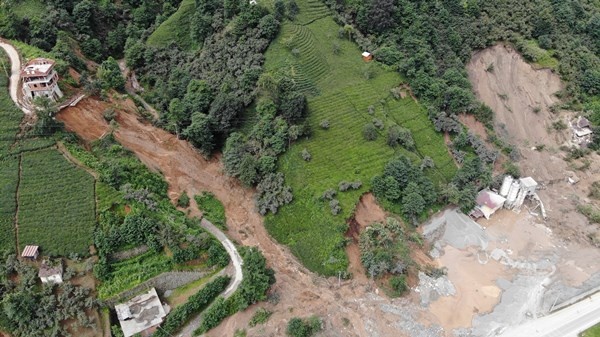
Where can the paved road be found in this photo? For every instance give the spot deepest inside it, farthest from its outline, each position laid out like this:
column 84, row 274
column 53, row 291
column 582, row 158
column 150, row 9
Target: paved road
column 567, row 322
column 233, row 254
column 15, row 70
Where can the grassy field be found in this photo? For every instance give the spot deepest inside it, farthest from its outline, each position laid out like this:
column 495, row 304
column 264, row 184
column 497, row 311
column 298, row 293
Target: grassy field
column 175, row 28
column 349, row 93
column 28, row 8
column 56, row 204
column 591, row 332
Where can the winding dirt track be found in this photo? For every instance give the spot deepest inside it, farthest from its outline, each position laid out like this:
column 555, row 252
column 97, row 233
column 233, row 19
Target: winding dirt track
column 351, row 308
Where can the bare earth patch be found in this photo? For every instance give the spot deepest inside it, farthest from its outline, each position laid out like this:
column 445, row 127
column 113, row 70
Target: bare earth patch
column 352, row 308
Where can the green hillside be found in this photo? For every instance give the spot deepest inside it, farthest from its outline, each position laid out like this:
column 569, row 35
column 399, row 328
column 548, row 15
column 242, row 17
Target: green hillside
column 175, row 28
column 348, row 93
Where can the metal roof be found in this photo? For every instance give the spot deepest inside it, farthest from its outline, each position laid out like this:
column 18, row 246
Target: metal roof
column 30, row 251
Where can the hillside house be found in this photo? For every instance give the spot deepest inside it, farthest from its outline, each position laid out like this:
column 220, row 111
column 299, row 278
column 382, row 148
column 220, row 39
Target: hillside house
column 51, row 271
column 30, row 252
column 582, row 131
column 142, row 314
column 367, row 57
column 39, row 79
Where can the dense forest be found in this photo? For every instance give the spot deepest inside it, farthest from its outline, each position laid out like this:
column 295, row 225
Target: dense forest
column 430, row 42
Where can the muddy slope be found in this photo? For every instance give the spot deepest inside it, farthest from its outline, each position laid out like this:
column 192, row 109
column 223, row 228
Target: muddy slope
column 352, row 308
column 519, row 95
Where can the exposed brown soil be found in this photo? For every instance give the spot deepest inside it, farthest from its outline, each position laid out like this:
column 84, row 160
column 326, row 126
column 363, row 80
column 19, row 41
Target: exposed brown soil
column 367, row 212
column 301, row 293
column 516, row 122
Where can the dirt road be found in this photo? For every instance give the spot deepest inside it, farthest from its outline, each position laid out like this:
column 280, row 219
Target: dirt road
column 351, row 308
column 15, row 70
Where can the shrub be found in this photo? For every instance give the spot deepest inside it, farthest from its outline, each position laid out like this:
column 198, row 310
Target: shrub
column 590, row 212
column 344, row 185
column 559, row 125
column 261, row 316
column 370, row 132
column 329, row 194
column 378, row 123
column 398, row 284
column 109, row 114
column 334, row 204
column 306, row 155
column 183, row 200
column 324, row 124
column 272, row 193
column 196, row 303
column 298, row 327
column 212, row 209
column 398, row 135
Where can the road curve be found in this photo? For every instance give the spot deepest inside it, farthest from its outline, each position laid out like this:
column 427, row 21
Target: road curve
column 236, row 259
column 15, row 69
column 567, row 322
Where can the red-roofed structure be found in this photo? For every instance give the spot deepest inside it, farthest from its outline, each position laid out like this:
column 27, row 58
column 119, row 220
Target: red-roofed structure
column 30, row 252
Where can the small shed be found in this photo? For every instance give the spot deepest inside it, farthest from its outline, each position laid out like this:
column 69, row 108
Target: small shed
column 30, row 252
column 367, row 56
column 51, row 271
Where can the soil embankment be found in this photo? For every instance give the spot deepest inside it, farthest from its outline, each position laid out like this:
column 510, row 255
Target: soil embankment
column 352, row 309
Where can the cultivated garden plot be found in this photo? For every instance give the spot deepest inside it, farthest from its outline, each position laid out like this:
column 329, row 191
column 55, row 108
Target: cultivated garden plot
column 345, row 93
column 56, row 204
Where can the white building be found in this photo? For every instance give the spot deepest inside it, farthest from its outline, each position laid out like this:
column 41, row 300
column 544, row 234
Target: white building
column 142, row 314
column 582, row 131
column 40, row 80
column 51, row 271
column 488, row 203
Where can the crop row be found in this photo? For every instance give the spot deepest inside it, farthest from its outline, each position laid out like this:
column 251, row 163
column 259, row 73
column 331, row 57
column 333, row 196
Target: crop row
column 56, row 204
column 9, row 170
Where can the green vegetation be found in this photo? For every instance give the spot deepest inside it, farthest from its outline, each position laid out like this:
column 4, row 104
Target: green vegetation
column 591, row 332
column 298, row 327
column 591, row 212
column 56, row 204
column 196, row 303
column 133, row 210
column 339, row 93
column 176, row 28
column 27, row 310
column 9, row 171
column 257, row 280
column 212, row 209
column 532, row 52
column 261, row 316
column 28, row 9
column 131, row 272
column 384, row 249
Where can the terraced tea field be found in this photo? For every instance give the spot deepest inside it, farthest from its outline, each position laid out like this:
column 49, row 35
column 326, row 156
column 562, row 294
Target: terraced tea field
column 349, row 93
column 56, row 204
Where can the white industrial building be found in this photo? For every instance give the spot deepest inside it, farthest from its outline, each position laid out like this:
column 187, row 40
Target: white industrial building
column 40, row 80
column 512, row 195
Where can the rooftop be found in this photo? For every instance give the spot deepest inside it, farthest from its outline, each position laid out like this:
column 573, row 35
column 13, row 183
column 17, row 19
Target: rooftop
column 50, row 268
column 490, row 199
column 366, row 54
column 37, row 67
column 528, row 182
column 140, row 313
column 30, row 251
